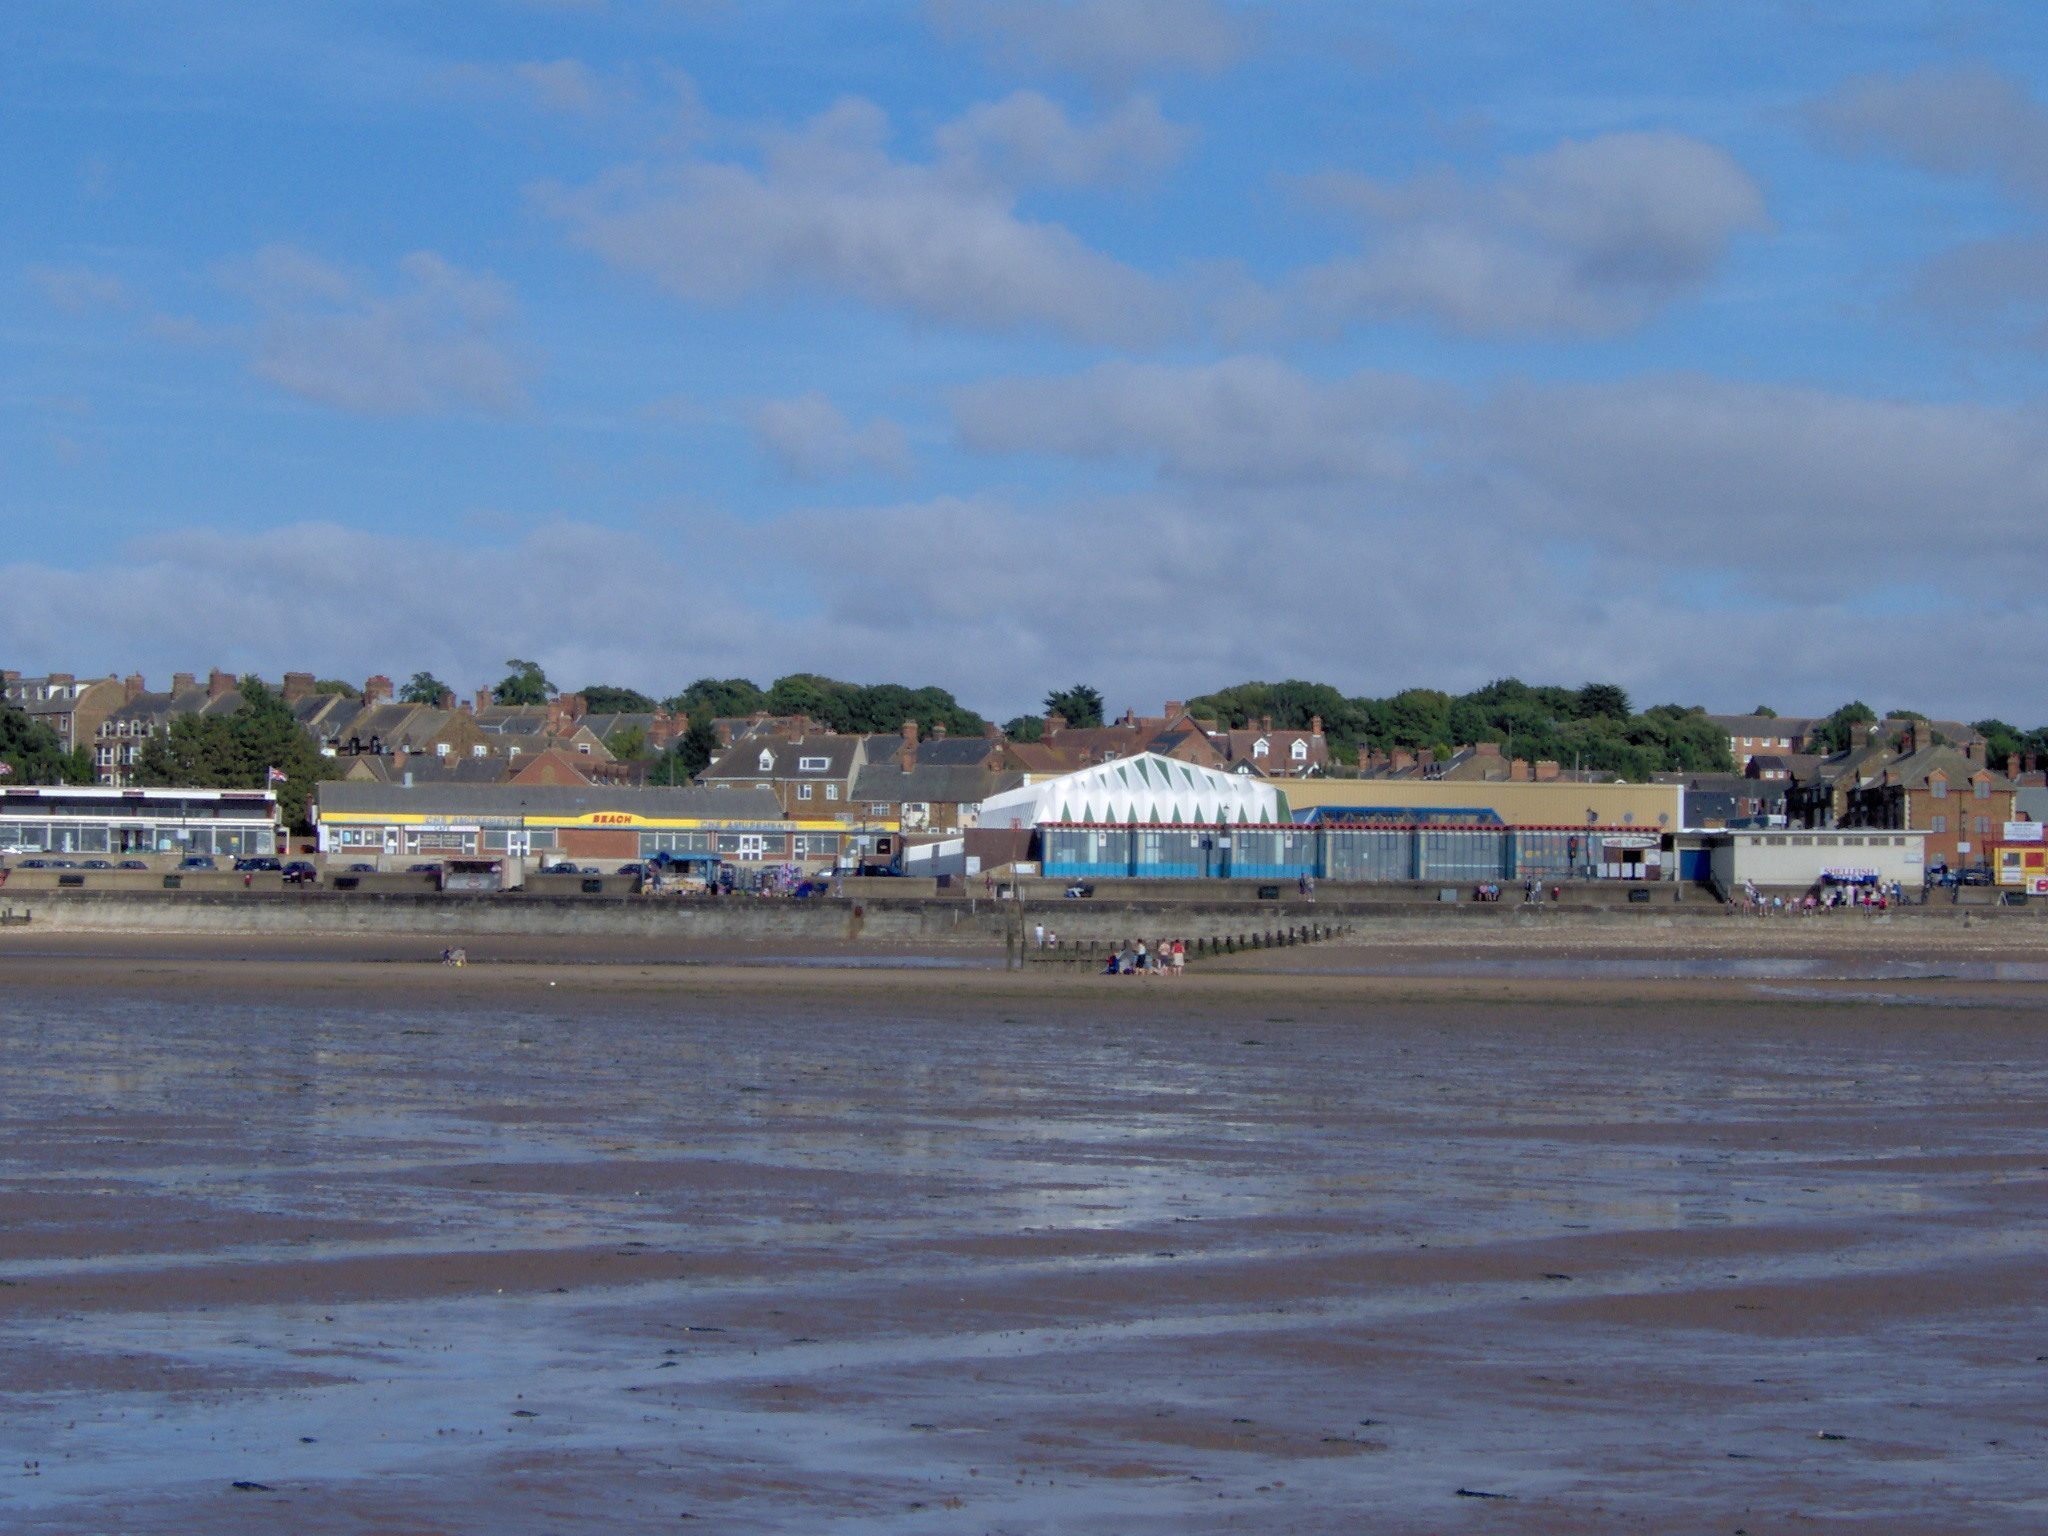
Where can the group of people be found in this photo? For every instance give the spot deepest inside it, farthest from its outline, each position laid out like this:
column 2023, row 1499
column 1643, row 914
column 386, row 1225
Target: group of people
column 1532, row 891
column 1169, row 957
column 1874, row 897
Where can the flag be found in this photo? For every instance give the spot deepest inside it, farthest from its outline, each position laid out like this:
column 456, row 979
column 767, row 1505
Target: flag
column 6, row 769
column 278, row 776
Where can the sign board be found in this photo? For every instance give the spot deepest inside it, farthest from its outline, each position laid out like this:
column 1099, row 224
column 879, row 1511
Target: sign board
column 1632, row 840
column 2037, row 885
column 2023, row 831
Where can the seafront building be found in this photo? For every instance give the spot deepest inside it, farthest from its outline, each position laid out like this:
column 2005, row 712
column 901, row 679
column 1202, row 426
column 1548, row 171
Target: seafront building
column 94, row 819
column 702, row 828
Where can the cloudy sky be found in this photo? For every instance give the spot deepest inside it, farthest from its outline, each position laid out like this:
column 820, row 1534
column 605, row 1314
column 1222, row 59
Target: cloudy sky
column 1006, row 343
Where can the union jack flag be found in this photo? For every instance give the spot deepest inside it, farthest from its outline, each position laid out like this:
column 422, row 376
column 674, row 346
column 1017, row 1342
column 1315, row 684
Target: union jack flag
column 278, row 776
column 6, row 769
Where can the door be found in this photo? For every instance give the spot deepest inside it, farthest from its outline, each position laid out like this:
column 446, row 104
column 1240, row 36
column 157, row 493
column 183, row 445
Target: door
column 391, row 841
column 751, row 845
column 518, row 844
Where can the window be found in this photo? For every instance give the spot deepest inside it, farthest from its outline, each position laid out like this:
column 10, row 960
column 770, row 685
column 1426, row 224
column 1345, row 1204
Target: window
column 1938, row 787
column 479, row 750
column 1299, row 751
column 440, row 749
column 1983, row 825
column 1938, row 824
column 831, row 791
column 1982, row 789
column 813, row 764
column 583, row 747
column 803, row 791
column 767, row 761
column 1261, row 747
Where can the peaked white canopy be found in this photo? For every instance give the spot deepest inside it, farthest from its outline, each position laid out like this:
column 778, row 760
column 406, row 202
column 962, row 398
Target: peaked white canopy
column 1143, row 788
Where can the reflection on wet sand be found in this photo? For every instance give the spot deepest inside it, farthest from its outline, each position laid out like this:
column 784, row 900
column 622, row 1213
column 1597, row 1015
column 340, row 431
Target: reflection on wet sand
column 862, row 1259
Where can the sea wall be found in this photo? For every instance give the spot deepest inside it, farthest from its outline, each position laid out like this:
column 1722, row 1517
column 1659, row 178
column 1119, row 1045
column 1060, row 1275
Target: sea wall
column 883, row 921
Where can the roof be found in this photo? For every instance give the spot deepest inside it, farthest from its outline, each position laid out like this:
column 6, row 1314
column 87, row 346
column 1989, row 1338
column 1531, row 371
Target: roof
column 1146, row 788
column 937, row 751
column 550, row 800
column 932, row 783
column 742, row 760
column 603, row 727
column 1916, row 768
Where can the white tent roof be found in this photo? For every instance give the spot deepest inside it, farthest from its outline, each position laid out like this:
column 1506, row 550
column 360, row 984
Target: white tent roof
column 1143, row 788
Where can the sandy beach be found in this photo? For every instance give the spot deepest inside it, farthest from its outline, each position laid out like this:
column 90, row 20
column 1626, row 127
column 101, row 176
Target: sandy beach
column 326, row 1237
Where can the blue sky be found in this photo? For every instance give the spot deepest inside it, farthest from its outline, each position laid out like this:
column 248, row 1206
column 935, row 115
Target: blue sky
column 1001, row 344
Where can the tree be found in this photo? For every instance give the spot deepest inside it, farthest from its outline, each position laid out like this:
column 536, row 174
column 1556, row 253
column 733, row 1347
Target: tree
column 718, row 698
column 1026, row 728
column 1607, row 700
column 1764, row 712
column 690, row 756
column 604, row 699
column 1080, row 705
column 34, row 755
column 425, row 688
column 338, row 688
column 628, row 744
column 525, row 683
column 1418, row 717
column 2001, row 740
column 1833, row 732
column 238, row 751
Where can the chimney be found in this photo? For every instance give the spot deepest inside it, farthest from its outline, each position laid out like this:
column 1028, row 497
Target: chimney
column 376, row 690
column 61, row 679
column 1265, row 722
column 1975, row 753
column 445, row 699
column 1055, row 722
column 1315, row 725
column 1401, row 760
column 907, row 753
column 1486, row 749
column 992, row 732
column 1173, row 708
column 183, row 682
column 573, row 708
column 1859, row 735
column 483, row 699
column 218, row 683
column 1518, row 771
column 939, row 731
column 1546, row 770
column 9, row 678
column 133, row 687
column 2012, row 765
column 297, row 685
column 1916, row 736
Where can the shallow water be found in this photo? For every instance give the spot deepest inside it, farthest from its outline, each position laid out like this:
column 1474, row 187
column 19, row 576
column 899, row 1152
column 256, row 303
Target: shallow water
column 1152, row 1265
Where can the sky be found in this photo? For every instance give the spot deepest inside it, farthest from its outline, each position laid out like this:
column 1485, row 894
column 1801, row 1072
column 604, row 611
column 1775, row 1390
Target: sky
column 1008, row 344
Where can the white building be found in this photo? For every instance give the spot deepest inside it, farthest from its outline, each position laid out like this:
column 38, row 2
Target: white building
column 1778, row 858
column 1144, row 789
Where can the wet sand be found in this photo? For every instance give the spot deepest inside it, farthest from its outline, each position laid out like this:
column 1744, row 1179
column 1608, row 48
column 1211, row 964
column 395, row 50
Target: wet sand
column 535, row 1247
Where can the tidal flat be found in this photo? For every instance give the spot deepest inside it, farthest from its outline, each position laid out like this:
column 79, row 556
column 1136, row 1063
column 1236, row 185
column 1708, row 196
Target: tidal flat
column 301, row 1242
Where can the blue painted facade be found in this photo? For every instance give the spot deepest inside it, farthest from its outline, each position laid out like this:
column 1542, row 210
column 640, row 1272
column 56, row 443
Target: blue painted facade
column 1450, row 852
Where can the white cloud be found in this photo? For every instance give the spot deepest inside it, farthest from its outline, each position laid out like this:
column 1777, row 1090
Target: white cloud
column 1109, row 42
column 431, row 343
column 811, row 439
column 830, row 211
column 1245, row 419
column 1961, row 120
column 1026, row 138
column 1589, row 237
column 78, row 290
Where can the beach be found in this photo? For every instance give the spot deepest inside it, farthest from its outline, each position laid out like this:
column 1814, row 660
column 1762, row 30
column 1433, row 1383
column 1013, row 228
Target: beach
column 1575, row 1235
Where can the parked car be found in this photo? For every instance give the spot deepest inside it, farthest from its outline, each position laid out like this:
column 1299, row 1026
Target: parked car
column 1978, row 876
column 632, row 869
column 560, row 869
column 299, row 872
column 33, row 864
column 131, row 864
column 1079, row 890
column 423, row 869
column 197, row 861
column 362, row 869
column 62, row 864
column 95, row 864
column 258, row 865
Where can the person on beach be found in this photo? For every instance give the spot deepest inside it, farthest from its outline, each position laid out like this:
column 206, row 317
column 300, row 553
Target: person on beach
column 1038, row 935
column 1180, row 956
